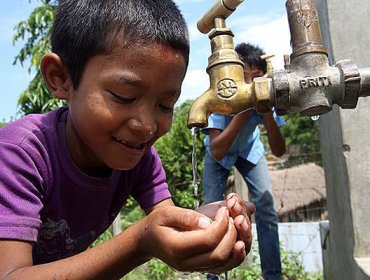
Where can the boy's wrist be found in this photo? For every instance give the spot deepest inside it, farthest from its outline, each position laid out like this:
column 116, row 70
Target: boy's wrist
column 131, row 241
column 138, row 237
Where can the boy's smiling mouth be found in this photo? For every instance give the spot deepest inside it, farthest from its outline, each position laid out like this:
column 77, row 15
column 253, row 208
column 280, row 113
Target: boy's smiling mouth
column 130, row 145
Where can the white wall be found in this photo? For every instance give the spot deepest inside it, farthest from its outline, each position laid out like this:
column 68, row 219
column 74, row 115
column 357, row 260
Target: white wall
column 302, row 238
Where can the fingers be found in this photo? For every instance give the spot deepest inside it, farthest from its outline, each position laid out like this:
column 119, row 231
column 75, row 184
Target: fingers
column 237, row 206
column 250, row 207
column 228, row 254
column 184, row 219
column 244, row 229
column 233, row 202
column 188, row 240
column 237, row 258
column 241, row 212
column 210, row 209
column 178, row 237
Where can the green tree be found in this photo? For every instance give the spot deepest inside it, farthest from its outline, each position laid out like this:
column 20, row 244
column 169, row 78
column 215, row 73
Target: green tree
column 302, row 131
column 36, row 30
column 302, row 140
column 175, row 150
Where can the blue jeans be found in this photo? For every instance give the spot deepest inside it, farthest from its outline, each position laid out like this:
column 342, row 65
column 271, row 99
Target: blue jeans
column 259, row 185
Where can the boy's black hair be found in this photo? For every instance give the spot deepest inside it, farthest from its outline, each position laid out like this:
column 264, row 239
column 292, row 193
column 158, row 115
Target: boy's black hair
column 251, row 55
column 85, row 28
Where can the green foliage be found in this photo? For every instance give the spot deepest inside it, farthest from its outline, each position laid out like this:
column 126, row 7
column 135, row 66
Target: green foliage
column 292, row 269
column 175, row 150
column 37, row 98
column 302, row 131
column 154, row 269
column 291, row 265
column 105, row 236
column 131, row 213
column 36, row 31
column 158, row 270
column 250, row 270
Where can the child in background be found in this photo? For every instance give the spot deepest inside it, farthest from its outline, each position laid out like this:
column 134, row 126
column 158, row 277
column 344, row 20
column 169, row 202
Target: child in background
column 65, row 175
column 235, row 141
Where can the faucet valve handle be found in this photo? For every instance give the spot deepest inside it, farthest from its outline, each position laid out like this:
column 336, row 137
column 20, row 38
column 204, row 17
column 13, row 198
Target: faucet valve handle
column 269, row 67
column 267, row 57
column 221, row 9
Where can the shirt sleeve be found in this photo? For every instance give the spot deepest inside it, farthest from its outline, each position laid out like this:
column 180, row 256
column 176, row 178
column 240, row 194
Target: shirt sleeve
column 151, row 187
column 217, row 121
column 20, row 193
column 278, row 119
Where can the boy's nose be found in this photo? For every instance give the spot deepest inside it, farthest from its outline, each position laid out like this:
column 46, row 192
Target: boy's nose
column 145, row 127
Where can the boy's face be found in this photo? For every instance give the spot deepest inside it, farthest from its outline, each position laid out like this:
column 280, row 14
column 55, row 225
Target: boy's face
column 251, row 72
column 123, row 104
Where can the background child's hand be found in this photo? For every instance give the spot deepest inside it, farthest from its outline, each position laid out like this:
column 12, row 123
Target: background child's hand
column 190, row 241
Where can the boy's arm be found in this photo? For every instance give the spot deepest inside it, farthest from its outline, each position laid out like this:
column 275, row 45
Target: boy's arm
column 184, row 239
column 110, row 260
column 221, row 141
column 275, row 137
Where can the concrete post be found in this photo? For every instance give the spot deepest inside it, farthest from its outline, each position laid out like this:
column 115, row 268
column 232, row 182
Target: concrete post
column 117, row 225
column 345, row 144
column 240, row 187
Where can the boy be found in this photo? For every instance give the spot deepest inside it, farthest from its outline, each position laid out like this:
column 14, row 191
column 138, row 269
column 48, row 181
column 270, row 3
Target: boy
column 235, row 141
column 64, row 176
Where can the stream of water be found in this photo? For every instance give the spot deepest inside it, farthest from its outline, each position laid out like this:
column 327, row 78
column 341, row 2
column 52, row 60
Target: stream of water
column 194, row 162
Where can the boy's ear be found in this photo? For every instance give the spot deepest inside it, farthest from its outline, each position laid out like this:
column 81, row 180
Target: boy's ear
column 55, row 76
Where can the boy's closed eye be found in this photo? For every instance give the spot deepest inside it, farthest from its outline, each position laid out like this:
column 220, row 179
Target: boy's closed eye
column 169, row 102
column 166, row 109
column 122, row 100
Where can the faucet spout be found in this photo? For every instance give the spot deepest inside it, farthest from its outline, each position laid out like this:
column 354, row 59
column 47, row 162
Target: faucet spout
column 198, row 113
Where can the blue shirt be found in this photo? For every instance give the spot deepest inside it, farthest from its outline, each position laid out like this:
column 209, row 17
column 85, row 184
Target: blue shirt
column 247, row 145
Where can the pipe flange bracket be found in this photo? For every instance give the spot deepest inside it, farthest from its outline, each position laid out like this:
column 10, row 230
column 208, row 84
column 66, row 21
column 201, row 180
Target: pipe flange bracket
column 281, row 97
column 352, row 83
column 262, row 95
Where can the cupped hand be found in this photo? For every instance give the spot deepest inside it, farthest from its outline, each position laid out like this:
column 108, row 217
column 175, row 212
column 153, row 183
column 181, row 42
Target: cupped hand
column 239, row 210
column 190, row 241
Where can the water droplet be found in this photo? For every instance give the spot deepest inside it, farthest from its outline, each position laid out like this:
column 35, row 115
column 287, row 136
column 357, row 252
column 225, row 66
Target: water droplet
column 315, row 118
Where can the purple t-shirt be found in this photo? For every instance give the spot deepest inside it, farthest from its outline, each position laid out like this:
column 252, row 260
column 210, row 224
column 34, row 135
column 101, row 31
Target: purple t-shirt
column 46, row 199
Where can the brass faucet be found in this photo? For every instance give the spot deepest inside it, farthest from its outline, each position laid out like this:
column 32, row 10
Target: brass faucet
column 228, row 93
column 308, row 84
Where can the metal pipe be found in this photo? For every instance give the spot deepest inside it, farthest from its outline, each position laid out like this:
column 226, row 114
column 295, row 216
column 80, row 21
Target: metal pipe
column 304, row 27
column 365, row 81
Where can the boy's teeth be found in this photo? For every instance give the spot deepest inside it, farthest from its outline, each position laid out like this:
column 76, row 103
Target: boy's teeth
column 130, row 145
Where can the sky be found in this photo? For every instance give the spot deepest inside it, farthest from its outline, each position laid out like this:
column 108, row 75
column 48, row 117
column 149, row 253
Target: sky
column 263, row 23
